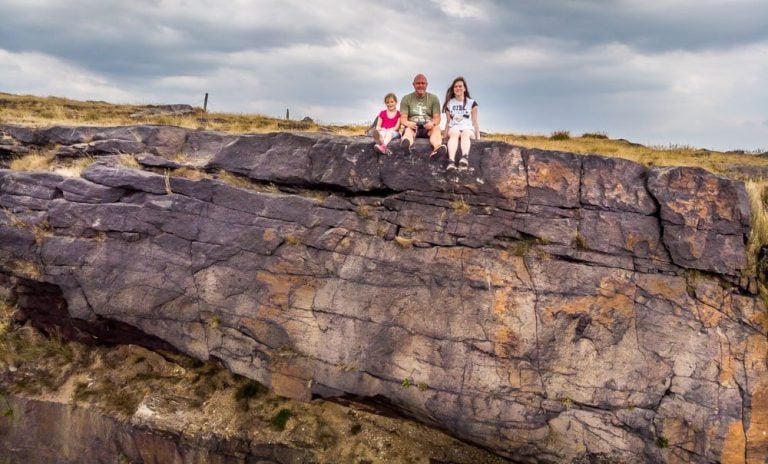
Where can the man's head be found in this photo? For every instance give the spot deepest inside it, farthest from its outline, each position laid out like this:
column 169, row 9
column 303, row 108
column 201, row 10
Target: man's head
column 420, row 84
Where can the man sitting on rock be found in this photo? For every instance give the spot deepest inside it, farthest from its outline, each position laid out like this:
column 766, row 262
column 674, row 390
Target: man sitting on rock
column 420, row 115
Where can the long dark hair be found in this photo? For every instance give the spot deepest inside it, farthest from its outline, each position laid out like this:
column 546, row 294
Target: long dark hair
column 449, row 94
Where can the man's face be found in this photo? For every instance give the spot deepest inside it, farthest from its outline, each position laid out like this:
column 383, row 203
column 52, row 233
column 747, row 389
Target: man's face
column 420, row 85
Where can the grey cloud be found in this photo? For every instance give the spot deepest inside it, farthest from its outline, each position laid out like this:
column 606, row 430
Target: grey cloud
column 689, row 26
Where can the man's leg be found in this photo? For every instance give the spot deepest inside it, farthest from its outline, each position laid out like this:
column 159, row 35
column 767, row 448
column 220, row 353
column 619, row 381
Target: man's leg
column 435, row 137
column 407, row 141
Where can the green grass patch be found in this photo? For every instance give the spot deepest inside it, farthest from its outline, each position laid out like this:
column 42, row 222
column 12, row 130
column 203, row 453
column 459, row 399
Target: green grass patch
column 279, row 420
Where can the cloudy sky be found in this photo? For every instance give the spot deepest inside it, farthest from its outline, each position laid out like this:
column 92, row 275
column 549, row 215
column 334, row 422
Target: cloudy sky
column 657, row 72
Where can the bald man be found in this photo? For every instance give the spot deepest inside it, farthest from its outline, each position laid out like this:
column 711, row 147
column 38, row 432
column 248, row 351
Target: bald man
column 420, row 115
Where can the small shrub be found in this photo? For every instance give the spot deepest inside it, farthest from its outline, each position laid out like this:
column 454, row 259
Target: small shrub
column 292, row 240
column 422, row 386
column 381, row 230
column 594, row 135
column 364, row 211
column 560, row 135
column 580, row 242
column 522, row 247
column 407, row 382
column 249, row 389
column 662, row 442
column 460, row 206
column 280, row 419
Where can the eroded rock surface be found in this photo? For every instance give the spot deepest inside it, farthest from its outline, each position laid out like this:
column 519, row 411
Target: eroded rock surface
column 548, row 306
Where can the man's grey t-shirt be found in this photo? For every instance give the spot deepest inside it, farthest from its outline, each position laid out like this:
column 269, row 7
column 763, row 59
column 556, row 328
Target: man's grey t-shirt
column 420, row 109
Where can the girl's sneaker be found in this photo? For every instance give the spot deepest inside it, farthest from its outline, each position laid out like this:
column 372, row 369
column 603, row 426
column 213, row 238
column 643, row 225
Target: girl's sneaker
column 381, row 148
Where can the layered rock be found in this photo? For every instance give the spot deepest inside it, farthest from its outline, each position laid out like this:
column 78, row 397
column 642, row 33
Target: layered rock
column 548, row 306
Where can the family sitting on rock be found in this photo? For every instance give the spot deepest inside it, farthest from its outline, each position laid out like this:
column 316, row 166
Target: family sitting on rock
column 419, row 117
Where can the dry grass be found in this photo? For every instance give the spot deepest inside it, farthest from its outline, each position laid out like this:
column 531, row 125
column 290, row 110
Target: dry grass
column 672, row 155
column 189, row 173
column 246, row 183
column 33, row 162
column 460, row 206
column 128, row 161
column 758, row 236
column 35, row 111
column 74, row 169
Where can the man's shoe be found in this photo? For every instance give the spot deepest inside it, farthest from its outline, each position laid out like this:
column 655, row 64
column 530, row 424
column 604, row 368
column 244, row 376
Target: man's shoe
column 439, row 151
column 450, row 167
column 406, row 145
column 463, row 163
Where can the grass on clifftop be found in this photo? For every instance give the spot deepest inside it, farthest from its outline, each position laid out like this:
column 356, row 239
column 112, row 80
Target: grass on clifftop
column 35, row 111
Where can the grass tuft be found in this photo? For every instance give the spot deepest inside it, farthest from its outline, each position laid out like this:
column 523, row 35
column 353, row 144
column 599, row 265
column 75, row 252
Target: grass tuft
column 33, row 162
column 560, row 135
column 76, row 168
column 128, row 161
column 460, row 206
column 189, row 173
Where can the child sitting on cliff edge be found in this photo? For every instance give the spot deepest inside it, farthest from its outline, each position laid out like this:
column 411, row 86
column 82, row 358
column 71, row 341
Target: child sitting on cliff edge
column 387, row 125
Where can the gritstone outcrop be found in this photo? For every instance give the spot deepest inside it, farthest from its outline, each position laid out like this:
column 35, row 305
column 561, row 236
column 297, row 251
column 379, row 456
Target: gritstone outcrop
column 548, row 306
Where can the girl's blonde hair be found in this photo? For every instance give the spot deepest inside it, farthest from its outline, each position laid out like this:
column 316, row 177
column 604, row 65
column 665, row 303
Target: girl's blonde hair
column 390, row 95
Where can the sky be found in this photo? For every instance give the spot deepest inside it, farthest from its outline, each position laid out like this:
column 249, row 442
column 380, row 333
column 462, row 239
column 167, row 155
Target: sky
column 656, row 72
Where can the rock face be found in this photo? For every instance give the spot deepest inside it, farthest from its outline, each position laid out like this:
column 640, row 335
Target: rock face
column 46, row 432
column 548, row 306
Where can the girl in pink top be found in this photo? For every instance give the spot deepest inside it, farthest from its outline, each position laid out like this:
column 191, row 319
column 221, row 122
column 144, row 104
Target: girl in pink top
column 387, row 124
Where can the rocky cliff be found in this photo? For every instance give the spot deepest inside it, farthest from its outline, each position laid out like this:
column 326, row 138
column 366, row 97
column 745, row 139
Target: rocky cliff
column 547, row 306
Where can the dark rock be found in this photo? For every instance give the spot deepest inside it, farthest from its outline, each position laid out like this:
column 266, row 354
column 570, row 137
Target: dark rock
column 82, row 191
column 129, row 179
column 154, row 161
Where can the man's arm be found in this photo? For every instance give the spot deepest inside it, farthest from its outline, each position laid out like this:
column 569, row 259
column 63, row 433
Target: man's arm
column 435, row 113
column 404, row 112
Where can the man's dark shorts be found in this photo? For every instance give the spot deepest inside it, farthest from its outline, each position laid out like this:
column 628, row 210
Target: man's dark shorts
column 421, row 132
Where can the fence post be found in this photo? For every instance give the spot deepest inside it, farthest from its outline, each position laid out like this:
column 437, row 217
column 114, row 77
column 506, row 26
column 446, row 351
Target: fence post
column 287, row 114
column 205, row 103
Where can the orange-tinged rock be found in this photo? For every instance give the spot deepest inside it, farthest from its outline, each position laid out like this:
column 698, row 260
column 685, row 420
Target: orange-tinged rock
column 734, row 445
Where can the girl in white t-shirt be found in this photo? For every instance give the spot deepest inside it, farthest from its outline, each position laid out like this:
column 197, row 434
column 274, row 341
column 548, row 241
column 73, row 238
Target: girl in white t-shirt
column 461, row 113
